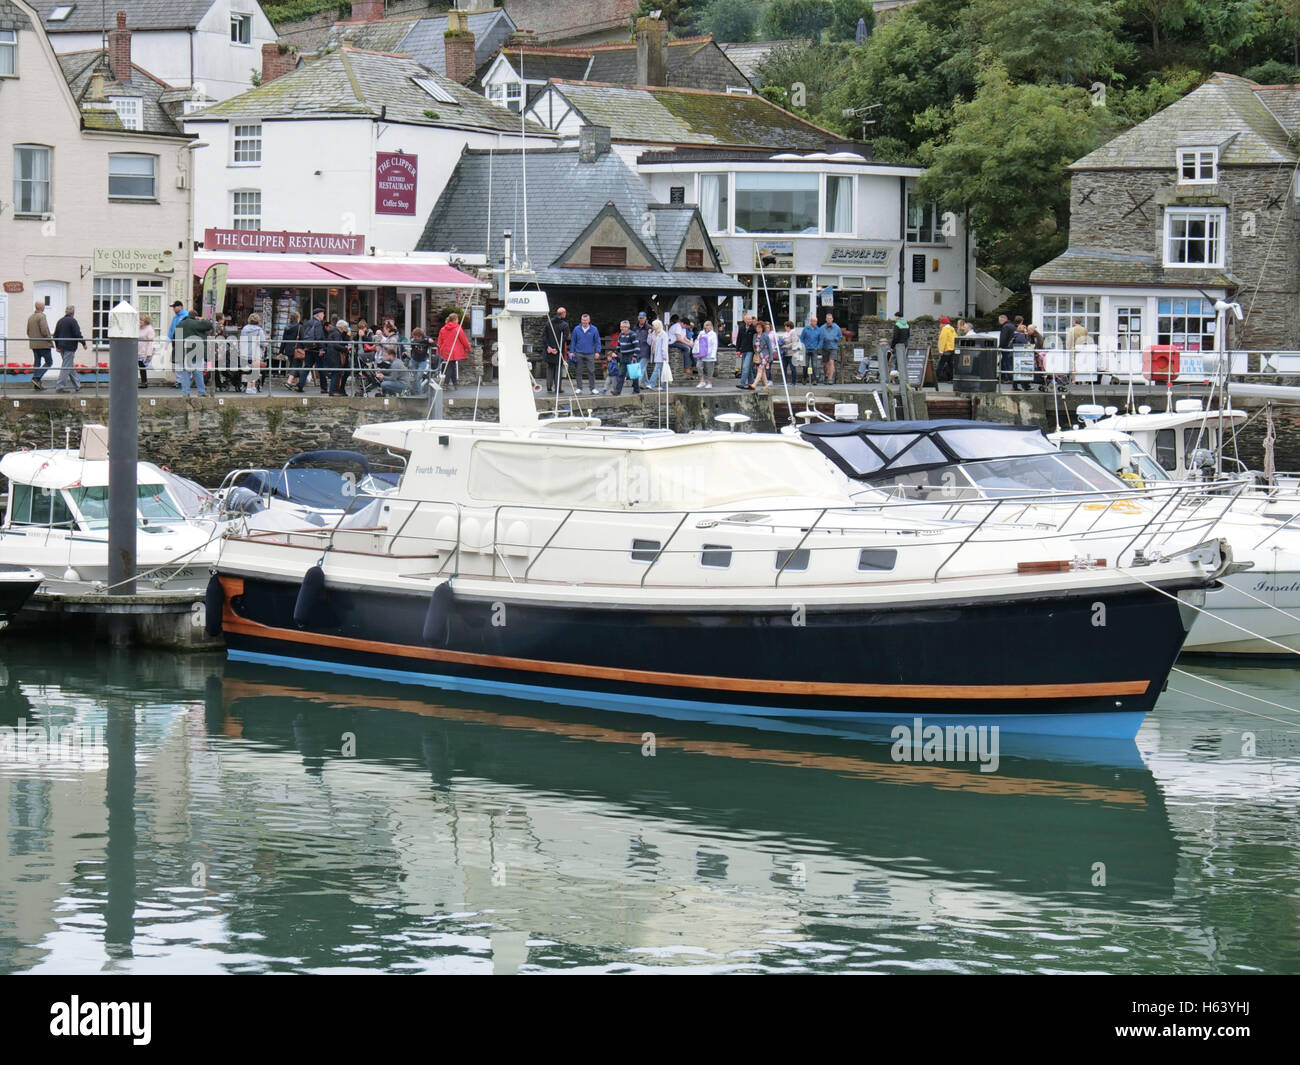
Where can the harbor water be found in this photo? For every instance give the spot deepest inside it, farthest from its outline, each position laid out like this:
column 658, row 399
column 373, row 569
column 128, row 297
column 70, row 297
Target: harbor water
column 204, row 816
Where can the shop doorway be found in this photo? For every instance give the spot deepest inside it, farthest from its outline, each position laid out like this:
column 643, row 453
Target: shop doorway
column 55, row 295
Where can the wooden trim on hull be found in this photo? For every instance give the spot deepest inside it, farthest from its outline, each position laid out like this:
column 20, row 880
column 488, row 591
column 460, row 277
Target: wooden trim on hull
column 233, row 623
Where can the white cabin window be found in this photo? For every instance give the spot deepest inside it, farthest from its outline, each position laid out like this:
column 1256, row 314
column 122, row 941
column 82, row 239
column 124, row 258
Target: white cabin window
column 716, row 555
column 1194, row 237
column 128, row 111
column 241, row 28
column 1198, row 166
column 8, row 53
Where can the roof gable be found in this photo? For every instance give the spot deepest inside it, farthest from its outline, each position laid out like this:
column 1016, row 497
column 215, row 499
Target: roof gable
column 78, row 70
column 607, row 214
column 1225, row 112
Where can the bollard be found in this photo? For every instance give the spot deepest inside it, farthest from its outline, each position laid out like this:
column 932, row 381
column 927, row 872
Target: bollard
column 123, row 416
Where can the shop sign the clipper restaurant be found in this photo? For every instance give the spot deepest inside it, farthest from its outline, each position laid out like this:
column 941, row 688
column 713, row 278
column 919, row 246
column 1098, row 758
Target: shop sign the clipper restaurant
column 283, row 242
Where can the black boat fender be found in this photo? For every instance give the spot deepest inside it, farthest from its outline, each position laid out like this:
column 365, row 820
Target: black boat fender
column 437, row 619
column 311, row 596
column 214, row 601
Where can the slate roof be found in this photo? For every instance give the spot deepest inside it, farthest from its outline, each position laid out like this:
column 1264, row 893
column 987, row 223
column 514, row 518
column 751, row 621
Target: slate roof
column 422, row 37
column 78, row 67
column 564, row 196
column 1099, row 266
column 140, row 14
column 12, row 17
column 1283, row 101
column 749, row 56
column 1226, row 111
column 615, row 64
column 349, row 82
column 693, row 117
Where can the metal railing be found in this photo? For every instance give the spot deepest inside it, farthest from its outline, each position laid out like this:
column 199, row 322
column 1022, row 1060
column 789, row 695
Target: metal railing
column 1176, row 517
column 225, row 366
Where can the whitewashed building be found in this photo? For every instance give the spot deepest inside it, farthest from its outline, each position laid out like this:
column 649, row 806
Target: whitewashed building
column 94, row 180
column 213, row 46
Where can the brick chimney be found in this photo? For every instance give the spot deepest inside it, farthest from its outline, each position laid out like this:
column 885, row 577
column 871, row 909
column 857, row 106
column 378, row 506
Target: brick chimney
column 593, row 142
column 367, row 10
column 458, row 48
column 275, row 62
column 651, row 51
column 119, row 49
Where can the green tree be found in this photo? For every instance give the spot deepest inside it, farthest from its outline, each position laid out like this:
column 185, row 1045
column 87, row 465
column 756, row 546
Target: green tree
column 807, row 72
column 1160, row 15
column 1276, row 26
column 844, row 19
column 1044, row 40
column 1005, row 160
column 1137, row 103
column 792, row 19
column 729, row 20
column 905, row 67
column 682, row 16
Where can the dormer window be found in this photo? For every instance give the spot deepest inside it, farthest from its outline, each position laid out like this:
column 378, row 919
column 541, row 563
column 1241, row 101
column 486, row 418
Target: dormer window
column 435, row 90
column 128, row 110
column 1198, row 166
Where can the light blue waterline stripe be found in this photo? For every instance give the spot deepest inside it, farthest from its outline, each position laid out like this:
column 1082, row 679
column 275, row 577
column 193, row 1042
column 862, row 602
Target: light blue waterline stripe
column 1122, row 725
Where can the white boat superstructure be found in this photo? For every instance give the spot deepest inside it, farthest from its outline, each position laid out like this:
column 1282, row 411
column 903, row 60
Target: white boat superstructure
column 56, row 521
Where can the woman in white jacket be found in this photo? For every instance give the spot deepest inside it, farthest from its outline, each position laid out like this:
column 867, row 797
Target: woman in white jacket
column 252, row 344
column 707, row 356
column 658, row 351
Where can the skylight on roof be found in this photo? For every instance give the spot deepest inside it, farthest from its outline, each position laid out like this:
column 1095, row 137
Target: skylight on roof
column 435, row 90
column 60, row 14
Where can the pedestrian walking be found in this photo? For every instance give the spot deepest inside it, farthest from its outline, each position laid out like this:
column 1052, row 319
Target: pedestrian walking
column 832, row 335
column 584, row 346
column 660, row 345
column 192, row 333
column 41, row 341
column 144, row 355
column 67, row 335
column 453, row 347
column 252, row 352
column 556, row 344
column 947, row 345
column 706, row 357
column 745, row 336
column 811, row 335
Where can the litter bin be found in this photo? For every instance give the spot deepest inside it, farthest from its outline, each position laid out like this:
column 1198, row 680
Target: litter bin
column 975, row 364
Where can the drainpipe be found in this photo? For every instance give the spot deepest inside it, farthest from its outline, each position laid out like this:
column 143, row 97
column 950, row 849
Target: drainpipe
column 902, row 244
column 967, row 301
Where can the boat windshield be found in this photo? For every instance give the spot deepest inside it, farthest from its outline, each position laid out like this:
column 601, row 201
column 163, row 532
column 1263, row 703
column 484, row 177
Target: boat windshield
column 153, row 504
column 1009, row 477
column 1110, row 455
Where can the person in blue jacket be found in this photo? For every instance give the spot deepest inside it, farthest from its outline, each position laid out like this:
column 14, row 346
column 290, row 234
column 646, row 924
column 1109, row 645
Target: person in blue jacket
column 811, row 335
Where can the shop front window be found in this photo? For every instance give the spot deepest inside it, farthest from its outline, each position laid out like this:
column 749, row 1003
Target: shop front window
column 1059, row 313
column 1187, row 324
column 107, row 293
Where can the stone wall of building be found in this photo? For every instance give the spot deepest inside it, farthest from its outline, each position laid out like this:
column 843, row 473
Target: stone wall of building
column 1123, row 210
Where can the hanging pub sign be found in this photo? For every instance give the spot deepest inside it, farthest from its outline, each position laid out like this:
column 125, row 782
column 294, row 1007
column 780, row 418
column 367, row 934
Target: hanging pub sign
column 395, row 180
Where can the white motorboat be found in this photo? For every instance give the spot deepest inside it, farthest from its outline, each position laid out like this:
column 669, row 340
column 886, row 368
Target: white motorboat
column 56, row 521
column 988, row 474
column 566, row 561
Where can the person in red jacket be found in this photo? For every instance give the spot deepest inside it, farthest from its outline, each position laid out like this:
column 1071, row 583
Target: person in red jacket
column 453, row 346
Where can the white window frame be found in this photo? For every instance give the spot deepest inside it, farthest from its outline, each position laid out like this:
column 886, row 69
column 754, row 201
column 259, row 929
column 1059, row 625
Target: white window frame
column 152, row 195
column 913, row 233
column 253, row 144
column 48, row 182
column 129, row 111
column 236, row 218
column 1216, row 219
column 9, row 45
column 1201, row 159
column 241, row 21
column 106, row 293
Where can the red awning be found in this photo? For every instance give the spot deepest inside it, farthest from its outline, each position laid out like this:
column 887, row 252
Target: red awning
column 270, row 270
column 416, row 275
column 278, row 270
